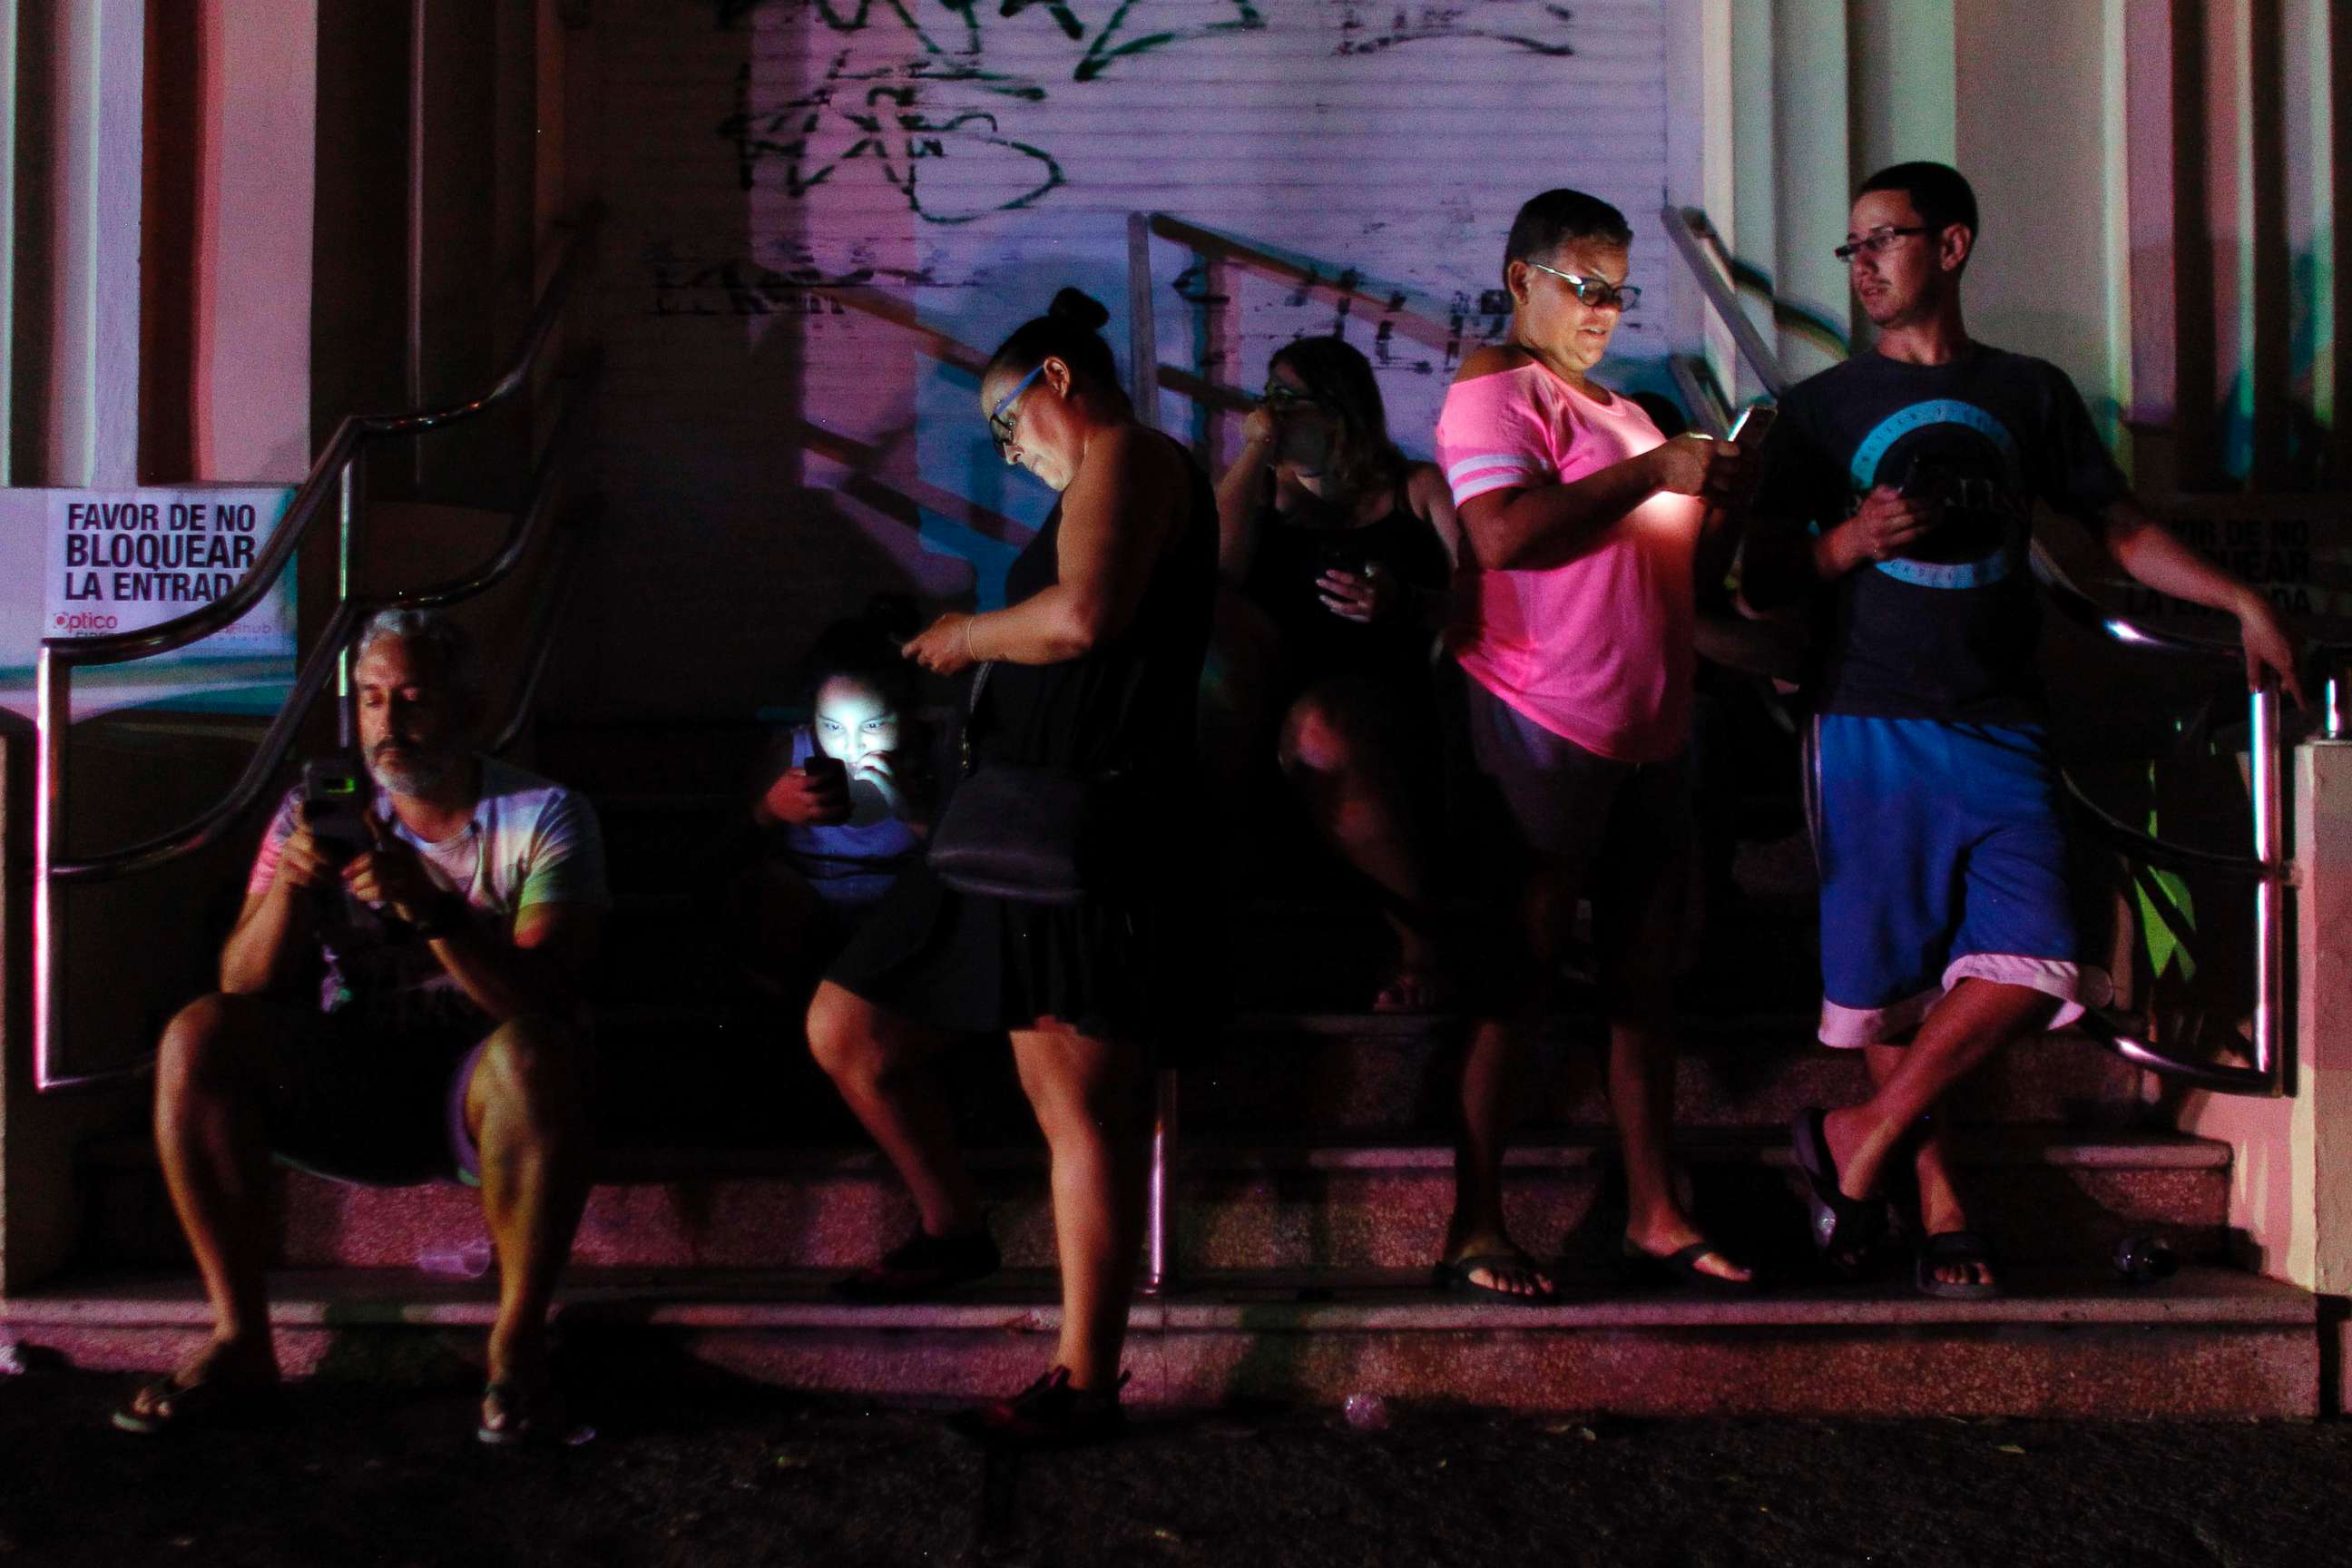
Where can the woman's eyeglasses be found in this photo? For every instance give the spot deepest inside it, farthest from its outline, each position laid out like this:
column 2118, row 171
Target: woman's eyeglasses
column 1281, row 395
column 1595, row 293
column 1002, row 417
column 1875, row 242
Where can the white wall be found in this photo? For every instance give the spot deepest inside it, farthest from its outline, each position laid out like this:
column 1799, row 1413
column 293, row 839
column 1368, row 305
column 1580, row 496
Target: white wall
column 776, row 449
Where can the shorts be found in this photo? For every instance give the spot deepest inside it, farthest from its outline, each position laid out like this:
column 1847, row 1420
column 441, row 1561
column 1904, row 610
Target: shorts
column 381, row 1108
column 1620, row 832
column 1567, row 805
column 1943, row 856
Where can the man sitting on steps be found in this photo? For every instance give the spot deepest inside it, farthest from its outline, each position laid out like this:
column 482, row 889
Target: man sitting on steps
column 448, row 1036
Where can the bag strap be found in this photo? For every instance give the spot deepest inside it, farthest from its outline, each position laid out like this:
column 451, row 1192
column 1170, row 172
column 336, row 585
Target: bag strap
column 971, row 712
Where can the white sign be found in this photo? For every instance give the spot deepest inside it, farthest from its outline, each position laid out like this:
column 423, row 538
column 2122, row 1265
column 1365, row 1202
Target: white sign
column 121, row 561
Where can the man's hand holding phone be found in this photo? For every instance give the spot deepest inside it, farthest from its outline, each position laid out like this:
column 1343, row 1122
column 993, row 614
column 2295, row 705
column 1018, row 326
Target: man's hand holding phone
column 389, row 875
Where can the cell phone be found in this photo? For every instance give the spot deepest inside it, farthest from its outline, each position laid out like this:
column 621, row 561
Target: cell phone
column 820, row 767
column 335, row 802
column 1754, row 421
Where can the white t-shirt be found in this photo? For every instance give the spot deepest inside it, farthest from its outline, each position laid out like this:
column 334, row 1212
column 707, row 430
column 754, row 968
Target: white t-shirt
column 529, row 842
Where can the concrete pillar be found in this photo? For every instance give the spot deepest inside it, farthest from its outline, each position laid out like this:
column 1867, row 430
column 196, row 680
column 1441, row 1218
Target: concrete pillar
column 252, row 360
column 93, row 96
column 2290, row 1167
column 2030, row 134
column 1814, row 174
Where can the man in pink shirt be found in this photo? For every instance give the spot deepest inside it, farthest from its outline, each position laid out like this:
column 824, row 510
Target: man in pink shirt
column 1583, row 530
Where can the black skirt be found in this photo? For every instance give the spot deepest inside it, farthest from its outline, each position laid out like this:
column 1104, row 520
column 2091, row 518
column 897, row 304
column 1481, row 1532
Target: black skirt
column 1145, row 966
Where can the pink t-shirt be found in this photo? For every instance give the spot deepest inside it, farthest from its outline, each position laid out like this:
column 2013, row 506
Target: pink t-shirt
column 1597, row 649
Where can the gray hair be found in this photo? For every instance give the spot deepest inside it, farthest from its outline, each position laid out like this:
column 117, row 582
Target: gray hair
column 452, row 650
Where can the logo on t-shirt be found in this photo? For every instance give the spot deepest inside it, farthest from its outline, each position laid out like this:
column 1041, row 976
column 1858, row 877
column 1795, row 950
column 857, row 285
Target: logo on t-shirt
column 1959, row 457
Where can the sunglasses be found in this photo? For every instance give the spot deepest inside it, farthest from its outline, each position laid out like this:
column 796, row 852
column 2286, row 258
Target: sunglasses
column 1595, row 293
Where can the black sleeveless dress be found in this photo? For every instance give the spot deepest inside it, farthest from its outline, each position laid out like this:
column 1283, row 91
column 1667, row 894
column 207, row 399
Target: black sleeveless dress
column 1136, row 963
column 1292, row 551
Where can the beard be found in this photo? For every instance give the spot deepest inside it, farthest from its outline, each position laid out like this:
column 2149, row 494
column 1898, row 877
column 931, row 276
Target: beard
column 418, row 772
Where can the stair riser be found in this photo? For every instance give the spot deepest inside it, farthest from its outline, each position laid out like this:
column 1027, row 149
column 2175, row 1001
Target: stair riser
column 1294, row 1089
column 1362, row 1085
column 2218, row 1372
column 1384, row 1218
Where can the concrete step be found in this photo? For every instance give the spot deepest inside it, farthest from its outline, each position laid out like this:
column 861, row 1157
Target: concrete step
column 2044, row 1196
column 740, row 1073
column 2207, row 1344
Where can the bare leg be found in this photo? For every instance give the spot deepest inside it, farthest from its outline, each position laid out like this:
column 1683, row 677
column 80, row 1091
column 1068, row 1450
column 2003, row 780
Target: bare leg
column 1975, row 1018
column 211, row 1070
column 880, row 1061
column 1639, row 924
column 1941, row 1208
column 1085, row 1092
column 1490, row 1071
column 527, row 1109
column 1332, row 755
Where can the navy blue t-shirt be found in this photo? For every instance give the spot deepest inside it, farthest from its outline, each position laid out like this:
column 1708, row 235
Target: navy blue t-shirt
column 1949, row 630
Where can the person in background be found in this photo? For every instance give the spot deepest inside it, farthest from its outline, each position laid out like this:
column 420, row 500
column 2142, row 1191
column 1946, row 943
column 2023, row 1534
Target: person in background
column 1092, row 676
column 1583, row 532
column 1345, row 547
column 392, row 1012
column 1897, row 505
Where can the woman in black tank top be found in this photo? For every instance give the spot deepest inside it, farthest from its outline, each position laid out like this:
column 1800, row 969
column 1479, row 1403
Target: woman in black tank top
column 1094, row 669
column 1343, row 550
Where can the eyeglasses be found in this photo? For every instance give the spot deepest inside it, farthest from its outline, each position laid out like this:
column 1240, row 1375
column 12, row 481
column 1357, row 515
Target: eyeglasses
column 1281, row 394
column 1875, row 242
column 1001, row 419
column 1596, row 293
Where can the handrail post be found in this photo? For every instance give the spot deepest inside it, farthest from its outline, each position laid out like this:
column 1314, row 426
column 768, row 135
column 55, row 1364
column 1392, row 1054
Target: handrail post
column 52, row 686
column 1143, row 328
column 2270, row 894
column 348, row 502
column 1159, row 1251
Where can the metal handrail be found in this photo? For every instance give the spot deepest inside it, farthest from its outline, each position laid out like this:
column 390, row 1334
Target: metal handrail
column 208, row 827
column 1687, row 228
column 336, row 471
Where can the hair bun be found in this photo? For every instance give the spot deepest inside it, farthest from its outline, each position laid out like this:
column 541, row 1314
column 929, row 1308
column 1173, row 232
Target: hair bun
column 1077, row 306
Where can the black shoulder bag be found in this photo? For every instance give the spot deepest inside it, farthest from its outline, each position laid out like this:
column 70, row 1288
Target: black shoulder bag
column 1014, row 831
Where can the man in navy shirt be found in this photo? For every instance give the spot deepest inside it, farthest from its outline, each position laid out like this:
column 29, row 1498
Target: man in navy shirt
column 1897, row 502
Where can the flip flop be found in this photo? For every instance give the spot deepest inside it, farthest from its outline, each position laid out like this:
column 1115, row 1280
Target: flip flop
column 1681, row 1268
column 533, row 1421
column 207, row 1405
column 1455, row 1277
column 923, row 1266
column 1950, row 1246
column 1845, row 1229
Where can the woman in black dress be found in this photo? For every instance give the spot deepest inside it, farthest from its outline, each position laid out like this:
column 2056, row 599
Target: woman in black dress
column 1095, row 664
column 1343, row 549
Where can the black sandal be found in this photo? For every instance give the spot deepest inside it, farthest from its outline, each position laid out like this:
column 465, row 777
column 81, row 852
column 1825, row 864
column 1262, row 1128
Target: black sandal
column 207, row 1405
column 1048, row 1414
column 1844, row 1230
column 1680, row 1267
column 1947, row 1248
column 922, row 1267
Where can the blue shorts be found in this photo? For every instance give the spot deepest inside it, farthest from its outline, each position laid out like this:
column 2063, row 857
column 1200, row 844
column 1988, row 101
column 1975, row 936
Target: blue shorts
column 1942, row 857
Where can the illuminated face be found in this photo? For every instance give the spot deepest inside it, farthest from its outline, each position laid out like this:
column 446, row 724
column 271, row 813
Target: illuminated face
column 854, row 721
column 1031, row 423
column 1897, row 277
column 412, row 722
column 1550, row 316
